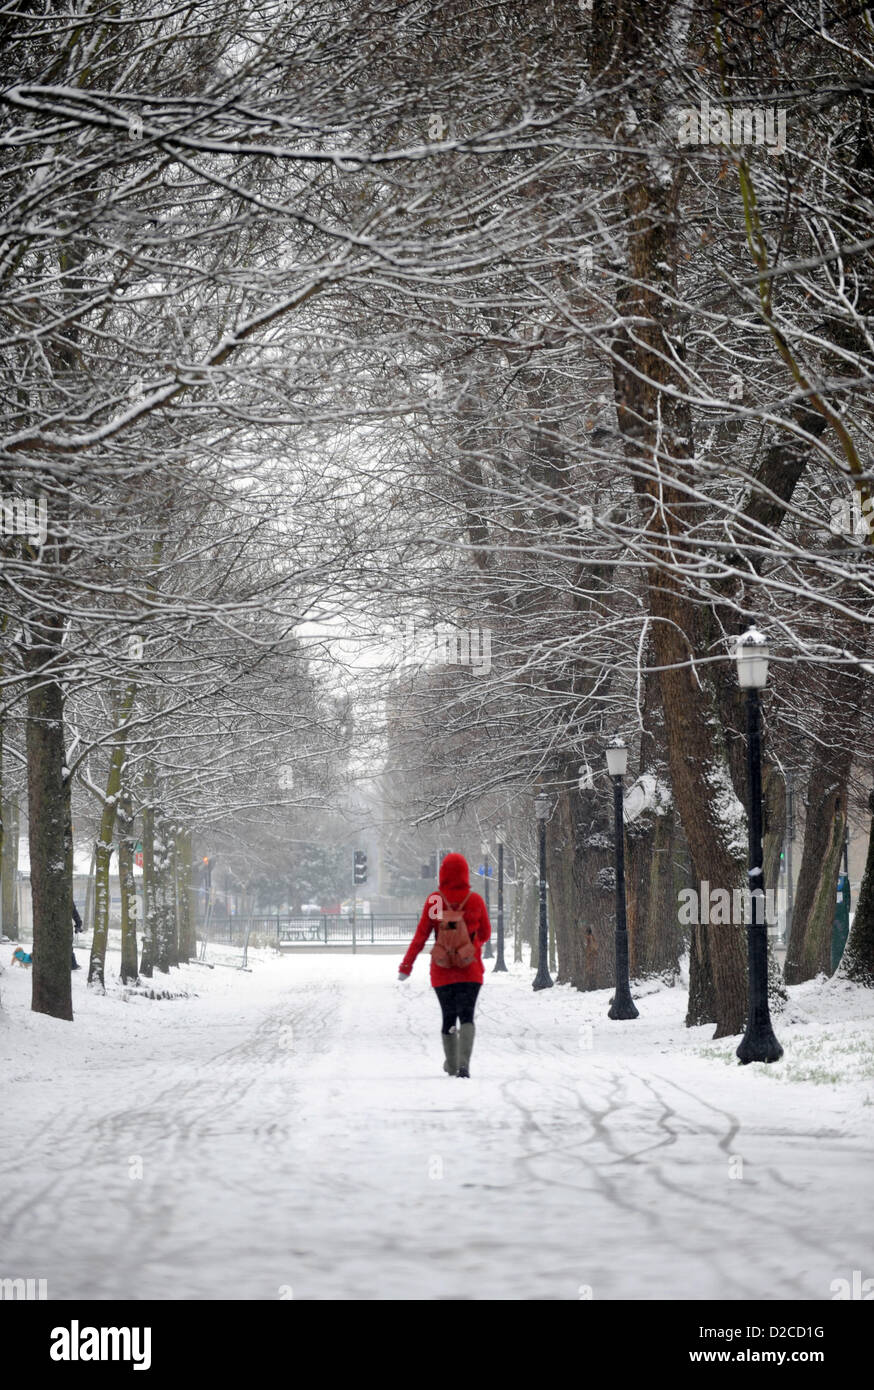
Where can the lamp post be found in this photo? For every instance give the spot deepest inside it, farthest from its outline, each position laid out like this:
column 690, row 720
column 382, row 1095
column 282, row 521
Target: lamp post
column 500, row 964
column 758, row 1043
column 623, row 1005
column 488, row 953
column 542, row 980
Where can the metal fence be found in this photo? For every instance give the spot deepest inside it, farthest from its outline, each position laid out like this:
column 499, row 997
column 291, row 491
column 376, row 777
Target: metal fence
column 324, row 930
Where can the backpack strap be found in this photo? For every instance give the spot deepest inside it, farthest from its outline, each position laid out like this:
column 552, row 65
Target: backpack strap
column 461, row 906
column 445, row 904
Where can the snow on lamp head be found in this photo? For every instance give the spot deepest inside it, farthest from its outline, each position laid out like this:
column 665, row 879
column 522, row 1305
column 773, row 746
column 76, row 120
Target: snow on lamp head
column 751, row 654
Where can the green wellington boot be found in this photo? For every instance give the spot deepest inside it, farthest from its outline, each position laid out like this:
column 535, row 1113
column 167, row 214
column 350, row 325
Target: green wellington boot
column 450, row 1052
column 465, row 1048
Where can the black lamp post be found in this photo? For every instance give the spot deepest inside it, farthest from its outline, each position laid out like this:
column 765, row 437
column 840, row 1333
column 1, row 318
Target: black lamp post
column 500, row 964
column 623, row 1005
column 758, row 1043
column 542, row 980
column 488, row 953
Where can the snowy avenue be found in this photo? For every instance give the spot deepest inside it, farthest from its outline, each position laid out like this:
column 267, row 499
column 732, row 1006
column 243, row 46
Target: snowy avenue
column 436, row 676
column 297, row 1139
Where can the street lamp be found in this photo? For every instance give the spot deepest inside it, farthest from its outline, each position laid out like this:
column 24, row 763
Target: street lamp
column 542, row 980
column 499, row 964
column 758, row 1043
column 623, row 1005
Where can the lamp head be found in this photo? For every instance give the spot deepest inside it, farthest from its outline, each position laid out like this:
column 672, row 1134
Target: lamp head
column 752, row 653
column 617, row 756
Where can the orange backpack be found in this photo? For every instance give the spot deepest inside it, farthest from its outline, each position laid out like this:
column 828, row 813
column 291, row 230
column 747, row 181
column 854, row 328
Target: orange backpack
column 453, row 948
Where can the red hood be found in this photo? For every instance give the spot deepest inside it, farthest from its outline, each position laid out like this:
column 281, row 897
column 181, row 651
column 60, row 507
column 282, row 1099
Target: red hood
column 455, row 874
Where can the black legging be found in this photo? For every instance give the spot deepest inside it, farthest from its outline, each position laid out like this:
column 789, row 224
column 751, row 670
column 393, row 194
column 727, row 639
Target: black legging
column 457, row 1002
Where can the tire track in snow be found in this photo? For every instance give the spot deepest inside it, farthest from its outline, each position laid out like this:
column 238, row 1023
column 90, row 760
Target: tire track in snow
column 164, row 1125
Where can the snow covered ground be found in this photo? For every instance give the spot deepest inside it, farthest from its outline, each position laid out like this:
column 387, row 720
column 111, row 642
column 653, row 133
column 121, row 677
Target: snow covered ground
column 290, row 1133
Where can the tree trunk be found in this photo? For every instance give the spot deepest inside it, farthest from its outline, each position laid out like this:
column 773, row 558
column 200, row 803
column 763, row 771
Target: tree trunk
column 185, row 897
column 518, row 894
column 127, row 884
column 580, row 857
column 150, row 946
column 103, row 857
column 103, row 848
column 702, row 980
column 50, row 881
column 656, row 427
column 88, row 915
column 654, row 937
column 550, row 926
column 172, row 896
column 531, row 919
column 165, row 895
column 809, row 950
column 9, row 883
column 773, row 824
column 858, row 959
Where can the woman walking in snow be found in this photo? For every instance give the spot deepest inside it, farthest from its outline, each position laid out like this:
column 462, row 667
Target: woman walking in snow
column 460, row 923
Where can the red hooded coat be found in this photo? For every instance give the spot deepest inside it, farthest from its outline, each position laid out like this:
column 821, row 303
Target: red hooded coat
column 454, row 886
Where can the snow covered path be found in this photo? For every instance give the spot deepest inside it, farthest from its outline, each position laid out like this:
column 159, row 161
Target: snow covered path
column 296, row 1137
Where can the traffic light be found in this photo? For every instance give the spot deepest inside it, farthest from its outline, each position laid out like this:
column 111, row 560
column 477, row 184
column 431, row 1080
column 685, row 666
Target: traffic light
column 360, row 870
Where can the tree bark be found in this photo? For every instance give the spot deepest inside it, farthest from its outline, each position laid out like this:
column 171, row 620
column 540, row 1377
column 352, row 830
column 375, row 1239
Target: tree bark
column 580, row 856
column 165, row 895
column 809, row 950
column 530, row 918
column 88, row 915
column 774, row 824
column 185, row 897
column 102, row 857
column 50, row 882
column 9, row 884
column 103, row 848
column 150, row 947
column 857, row 963
column 518, row 894
column 127, row 884
column 657, row 438
column 654, row 936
